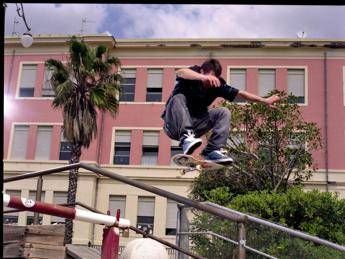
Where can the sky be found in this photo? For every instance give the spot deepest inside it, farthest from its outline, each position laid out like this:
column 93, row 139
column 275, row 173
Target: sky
column 180, row 21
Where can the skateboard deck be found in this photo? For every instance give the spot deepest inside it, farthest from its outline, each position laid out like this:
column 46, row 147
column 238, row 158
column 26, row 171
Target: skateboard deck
column 191, row 163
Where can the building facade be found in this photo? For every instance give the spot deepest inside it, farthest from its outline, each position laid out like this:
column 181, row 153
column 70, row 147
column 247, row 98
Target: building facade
column 133, row 144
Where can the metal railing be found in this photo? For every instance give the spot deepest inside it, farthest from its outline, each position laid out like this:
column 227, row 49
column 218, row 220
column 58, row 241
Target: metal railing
column 214, row 209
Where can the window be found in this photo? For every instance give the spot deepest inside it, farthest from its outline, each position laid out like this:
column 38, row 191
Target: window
column 238, row 80
column 267, row 81
column 11, row 218
column 296, row 81
column 28, row 80
column 122, row 147
column 20, row 139
column 65, row 149
column 146, row 212
column 30, row 215
column 47, row 90
column 154, row 85
column 150, row 148
column 171, row 218
column 59, row 198
column 117, row 202
column 175, row 149
column 128, row 85
column 44, row 139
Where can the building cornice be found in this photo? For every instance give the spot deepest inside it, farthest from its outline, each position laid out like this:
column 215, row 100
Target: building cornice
column 218, row 43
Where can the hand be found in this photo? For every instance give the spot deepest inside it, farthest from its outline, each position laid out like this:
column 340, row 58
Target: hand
column 210, row 80
column 271, row 100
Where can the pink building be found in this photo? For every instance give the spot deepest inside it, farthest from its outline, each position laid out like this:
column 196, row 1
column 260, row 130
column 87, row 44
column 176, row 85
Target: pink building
column 313, row 70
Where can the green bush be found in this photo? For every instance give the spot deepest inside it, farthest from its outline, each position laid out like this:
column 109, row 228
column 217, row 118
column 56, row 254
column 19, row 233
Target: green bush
column 317, row 213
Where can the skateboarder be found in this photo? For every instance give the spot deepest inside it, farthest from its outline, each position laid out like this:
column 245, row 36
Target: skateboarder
column 187, row 117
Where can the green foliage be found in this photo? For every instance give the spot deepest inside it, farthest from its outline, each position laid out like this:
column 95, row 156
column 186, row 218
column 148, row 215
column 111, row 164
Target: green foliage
column 317, row 213
column 86, row 83
column 272, row 149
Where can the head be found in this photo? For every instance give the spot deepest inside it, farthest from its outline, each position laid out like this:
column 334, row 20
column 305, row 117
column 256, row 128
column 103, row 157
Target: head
column 212, row 66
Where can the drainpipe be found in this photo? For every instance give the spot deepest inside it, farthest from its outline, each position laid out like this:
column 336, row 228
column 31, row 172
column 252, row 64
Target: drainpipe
column 98, row 162
column 326, row 115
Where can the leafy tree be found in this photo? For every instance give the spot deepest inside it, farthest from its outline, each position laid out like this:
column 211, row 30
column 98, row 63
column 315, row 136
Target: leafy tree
column 272, row 149
column 87, row 83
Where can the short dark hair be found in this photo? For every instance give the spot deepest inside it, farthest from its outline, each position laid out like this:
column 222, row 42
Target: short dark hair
column 214, row 65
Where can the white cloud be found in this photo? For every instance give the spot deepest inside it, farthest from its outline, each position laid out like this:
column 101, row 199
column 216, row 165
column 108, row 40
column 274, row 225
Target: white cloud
column 182, row 21
column 226, row 21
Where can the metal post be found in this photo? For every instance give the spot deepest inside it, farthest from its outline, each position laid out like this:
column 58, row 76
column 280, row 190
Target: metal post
column 241, row 241
column 183, row 226
column 38, row 198
column 111, row 241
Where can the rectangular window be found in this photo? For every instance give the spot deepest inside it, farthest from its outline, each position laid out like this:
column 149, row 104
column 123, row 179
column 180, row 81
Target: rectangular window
column 43, row 144
column 117, row 202
column 238, row 80
column 146, row 212
column 267, row 81
column 28, row 80
column 20, row 141
column 122, row 147
column 175, row 149
column 65, row 149
column 59, row 198
column 154, row 85
column 128, row 85
column 30, row 215
column 11, row 218
column 171, row 218
column 150, row 148
column 47, row 89
column 296, row 83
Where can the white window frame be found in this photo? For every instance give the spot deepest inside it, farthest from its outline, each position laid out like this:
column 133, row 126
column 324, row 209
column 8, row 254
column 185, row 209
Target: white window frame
column 306, row 86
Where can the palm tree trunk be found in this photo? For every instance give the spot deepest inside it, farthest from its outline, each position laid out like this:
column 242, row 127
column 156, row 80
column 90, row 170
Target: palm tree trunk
column 72, row 190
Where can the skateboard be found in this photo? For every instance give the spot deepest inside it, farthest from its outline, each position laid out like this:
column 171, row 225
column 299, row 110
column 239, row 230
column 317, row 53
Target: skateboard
column 191, row 163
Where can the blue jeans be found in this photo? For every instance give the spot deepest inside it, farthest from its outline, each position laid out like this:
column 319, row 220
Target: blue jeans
column 178, row 120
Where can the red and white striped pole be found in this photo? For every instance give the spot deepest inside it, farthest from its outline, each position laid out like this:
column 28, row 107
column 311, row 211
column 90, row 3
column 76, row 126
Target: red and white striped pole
column 64, row 212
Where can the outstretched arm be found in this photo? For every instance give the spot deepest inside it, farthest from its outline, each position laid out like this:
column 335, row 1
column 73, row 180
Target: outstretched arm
column 189, row 74
column 255, row 98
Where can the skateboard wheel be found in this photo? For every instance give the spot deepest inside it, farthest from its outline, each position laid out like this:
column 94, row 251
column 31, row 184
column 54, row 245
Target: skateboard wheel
column 198, row 167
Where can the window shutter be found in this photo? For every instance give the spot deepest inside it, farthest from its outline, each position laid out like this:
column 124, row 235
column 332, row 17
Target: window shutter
column 128, row 73
column 44, row 136
column 20, row 140
column 238, row 78
column 296, row 81
column 155, row 78
column 267, row 81
column 59, row 198
column 171, row 214
column 150, row 138
column 123, row 136
column 146, row 206
column 117, row 202
column 28, row 78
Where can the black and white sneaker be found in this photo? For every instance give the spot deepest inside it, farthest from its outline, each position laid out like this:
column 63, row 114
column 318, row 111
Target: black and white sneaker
column 190, row 143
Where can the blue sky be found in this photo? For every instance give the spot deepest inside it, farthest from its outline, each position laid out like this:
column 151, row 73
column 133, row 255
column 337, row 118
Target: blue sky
column 180, row 21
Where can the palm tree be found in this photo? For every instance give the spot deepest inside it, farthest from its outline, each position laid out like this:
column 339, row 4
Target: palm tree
column 87, row 83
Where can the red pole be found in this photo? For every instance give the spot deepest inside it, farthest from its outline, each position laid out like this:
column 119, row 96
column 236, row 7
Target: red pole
column 111, row 240
column 45, row 208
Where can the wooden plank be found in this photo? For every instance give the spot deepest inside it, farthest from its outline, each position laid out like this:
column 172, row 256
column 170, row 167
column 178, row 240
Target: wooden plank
column 48, row 240
column 44, row 253
column 11, row 233
column 47, row 229
column 13, row 250
column 43, row 246
column 82, row 252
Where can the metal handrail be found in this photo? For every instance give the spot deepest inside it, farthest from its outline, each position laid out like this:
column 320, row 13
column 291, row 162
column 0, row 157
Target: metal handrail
column 209, row 207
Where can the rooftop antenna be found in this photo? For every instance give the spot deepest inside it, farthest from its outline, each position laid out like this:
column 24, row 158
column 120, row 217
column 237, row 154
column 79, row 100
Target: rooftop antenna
column 14, row 27
column 83, row 22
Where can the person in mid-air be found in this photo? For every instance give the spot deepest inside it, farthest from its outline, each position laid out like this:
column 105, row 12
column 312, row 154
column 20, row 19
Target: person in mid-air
column 187, row 117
